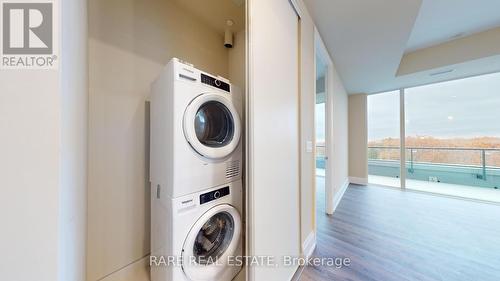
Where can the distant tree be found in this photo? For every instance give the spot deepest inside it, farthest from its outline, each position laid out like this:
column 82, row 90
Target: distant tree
column 465, row 157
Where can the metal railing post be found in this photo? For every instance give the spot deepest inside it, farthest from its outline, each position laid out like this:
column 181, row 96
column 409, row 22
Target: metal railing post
column 411, row 160
column 483, row 160
column 402, row 139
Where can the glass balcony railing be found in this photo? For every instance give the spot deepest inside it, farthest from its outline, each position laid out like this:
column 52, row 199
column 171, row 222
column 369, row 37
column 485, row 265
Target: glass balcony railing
column 320, row 155
column 463, row 166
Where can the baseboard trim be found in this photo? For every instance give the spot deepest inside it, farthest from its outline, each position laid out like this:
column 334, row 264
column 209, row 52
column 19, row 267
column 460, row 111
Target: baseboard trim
column 136, row 270
column 309, row 245
column 339, row 195
column 360, row 181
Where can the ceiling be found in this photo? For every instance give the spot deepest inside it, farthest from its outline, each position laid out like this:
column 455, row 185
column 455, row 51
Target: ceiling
column 369, row 41
column 444, row 20
column 215, row 12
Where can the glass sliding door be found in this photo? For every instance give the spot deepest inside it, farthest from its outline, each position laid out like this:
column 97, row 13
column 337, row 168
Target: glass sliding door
column 384, row 139
column 453, row 137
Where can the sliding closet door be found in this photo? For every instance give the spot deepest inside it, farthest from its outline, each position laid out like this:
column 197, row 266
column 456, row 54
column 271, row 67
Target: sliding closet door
column 273, row 136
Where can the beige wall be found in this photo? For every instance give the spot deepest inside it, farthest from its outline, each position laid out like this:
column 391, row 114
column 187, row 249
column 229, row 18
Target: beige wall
column 237, row 71
column 129, row 42
column 236, row 65
column 358, row 138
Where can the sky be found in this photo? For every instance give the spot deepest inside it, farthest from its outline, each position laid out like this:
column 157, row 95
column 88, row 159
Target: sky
column 462, row 108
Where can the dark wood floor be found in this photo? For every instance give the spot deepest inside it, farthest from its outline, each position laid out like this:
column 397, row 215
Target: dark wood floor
column 390, row 234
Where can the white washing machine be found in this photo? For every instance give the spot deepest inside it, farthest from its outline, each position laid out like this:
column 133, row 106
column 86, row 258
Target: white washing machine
column 195, row 130
column 198, row 235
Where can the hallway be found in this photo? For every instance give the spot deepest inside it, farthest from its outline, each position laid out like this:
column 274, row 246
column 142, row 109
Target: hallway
column 396, row 235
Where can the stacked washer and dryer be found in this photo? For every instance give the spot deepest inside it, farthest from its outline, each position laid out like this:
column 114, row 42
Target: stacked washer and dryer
column 195, row 173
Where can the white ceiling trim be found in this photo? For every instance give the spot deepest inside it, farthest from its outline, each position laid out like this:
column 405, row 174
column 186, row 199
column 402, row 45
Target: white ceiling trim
column 477, row 46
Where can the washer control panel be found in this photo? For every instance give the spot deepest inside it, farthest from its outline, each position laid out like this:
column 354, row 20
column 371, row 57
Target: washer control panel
column 205, row 79
column 214, row 195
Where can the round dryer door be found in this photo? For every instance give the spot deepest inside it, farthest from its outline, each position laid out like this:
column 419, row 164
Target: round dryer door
column 213, row 238
column 212, row 126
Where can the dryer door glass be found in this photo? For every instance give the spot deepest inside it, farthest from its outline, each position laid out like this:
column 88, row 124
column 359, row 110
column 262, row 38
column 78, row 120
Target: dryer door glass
column 213, row 238
column 214, row 124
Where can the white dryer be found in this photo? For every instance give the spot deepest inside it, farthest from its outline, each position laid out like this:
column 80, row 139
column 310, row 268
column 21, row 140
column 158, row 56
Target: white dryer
column 197, row 237
column 195, row 130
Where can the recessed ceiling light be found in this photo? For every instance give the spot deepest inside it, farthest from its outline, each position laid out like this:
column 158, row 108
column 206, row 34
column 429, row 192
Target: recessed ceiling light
column 450, row 118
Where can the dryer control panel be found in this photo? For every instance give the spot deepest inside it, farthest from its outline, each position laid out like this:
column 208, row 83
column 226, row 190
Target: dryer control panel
column 205, row 79
column 213, row 195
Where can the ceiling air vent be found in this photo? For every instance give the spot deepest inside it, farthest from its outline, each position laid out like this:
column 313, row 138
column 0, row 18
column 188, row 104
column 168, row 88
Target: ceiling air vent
column 442, row 72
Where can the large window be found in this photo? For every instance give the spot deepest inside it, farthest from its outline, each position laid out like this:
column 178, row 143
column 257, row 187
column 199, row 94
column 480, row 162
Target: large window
column 453, row 134
column 384, row 139
column 452, row 137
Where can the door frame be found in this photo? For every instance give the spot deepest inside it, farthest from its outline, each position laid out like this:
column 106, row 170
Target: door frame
column 321, row 51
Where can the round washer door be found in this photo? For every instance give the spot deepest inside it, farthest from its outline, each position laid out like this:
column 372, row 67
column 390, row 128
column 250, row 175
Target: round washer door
column 212, row 126
column 213, row 238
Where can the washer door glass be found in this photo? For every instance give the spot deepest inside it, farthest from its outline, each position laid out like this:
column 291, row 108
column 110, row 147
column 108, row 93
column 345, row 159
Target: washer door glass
column 213, row 238
column 212, row 241
column 214, row 124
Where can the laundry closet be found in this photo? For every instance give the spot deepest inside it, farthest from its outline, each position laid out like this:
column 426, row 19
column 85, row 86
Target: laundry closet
column 130, row 43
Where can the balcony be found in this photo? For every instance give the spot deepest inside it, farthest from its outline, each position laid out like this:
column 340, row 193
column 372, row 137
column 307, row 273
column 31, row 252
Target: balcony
column 465, row 172
column 320, row 158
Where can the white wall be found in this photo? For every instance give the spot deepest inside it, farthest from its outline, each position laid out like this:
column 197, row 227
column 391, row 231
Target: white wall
column 337, row 102
column 307, row 130
column 358, row 139
column 339, row 157
column 273, row 136
column 337, row 133
column 74, row 109
column 43, row 160
column 129, row 42
column 30, row 123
